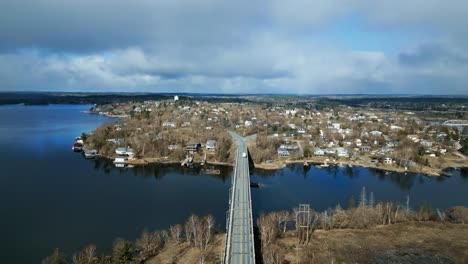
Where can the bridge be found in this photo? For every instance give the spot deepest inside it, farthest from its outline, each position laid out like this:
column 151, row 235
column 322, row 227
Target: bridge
column 240, row 237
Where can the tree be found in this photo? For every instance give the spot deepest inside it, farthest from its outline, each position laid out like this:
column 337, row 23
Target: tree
column 176, row 232
column 57, row 257
column 148, row 244
column 352, row 202
column 122, row 252
column 363, row 198
column 371, row 200
column 86, row 256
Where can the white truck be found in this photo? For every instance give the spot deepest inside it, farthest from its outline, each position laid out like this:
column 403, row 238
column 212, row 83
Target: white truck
column 244, row 155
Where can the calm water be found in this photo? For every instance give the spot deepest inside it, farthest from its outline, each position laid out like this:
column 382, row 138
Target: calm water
column 52, row 197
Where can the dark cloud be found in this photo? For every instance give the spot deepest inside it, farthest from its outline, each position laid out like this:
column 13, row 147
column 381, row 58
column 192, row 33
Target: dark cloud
column 228, row 46
column 433, row 53
column 89, row 25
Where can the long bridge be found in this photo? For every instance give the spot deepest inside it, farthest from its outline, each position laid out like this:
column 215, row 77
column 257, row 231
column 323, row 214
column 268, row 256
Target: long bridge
column 240, row 237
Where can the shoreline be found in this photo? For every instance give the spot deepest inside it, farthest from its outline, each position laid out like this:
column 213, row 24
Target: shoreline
column 283, row 164
column 159, row 161
column 277, row 165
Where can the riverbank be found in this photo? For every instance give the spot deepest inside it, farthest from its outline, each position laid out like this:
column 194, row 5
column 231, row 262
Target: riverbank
column 279, row 164
column 163, row 161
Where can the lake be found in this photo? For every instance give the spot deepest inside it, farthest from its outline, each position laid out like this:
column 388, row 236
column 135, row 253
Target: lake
column 52, row 197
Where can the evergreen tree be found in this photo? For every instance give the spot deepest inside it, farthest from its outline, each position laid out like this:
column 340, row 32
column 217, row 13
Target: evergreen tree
column 56, row 258
column 122, row 251
column 352, row 202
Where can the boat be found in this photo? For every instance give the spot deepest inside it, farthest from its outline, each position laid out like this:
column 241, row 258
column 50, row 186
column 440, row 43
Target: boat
column 77, row 146
column 212, row 171
column 120, row 161
column 90, row 154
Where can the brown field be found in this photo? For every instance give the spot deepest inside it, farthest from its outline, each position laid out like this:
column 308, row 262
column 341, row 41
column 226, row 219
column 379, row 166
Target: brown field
column 413, row 242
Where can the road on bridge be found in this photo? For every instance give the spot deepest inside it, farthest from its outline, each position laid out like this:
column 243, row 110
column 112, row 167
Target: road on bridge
column 240, row 243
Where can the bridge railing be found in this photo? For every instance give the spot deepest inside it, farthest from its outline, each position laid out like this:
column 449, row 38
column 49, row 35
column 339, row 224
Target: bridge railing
column 227, row 252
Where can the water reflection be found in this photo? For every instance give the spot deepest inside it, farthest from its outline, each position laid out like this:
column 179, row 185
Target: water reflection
column 326, row 187
column 159, row 171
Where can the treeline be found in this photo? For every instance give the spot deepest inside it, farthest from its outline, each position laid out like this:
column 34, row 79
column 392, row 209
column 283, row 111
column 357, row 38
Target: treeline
column 198, row 233
column 366, row 214
column 40, row 98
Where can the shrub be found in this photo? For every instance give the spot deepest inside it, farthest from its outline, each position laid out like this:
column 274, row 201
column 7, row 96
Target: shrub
column 458, row 214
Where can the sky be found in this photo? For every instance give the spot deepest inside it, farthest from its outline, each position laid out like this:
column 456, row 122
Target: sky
column 242, row 46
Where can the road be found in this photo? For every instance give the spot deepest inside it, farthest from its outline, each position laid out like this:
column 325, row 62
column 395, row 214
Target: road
column 240, row 244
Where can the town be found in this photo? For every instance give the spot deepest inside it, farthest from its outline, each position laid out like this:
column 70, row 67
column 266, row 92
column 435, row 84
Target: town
column 192, row 130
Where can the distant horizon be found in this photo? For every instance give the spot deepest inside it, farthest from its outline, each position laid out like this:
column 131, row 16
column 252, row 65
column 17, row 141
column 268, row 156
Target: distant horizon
column 231, row 94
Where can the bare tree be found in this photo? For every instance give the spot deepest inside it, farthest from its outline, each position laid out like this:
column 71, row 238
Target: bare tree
column 283, row 218
column 371, row 200
column 268, row 227
column 176, row 233
column 86, row 256
column 148, row 244
column 363, row 198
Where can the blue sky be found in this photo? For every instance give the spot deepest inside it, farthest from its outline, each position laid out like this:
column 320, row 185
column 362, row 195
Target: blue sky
column 255, row 46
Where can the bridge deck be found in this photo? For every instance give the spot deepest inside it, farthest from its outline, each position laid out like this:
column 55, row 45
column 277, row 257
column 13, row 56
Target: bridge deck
column 239, row 243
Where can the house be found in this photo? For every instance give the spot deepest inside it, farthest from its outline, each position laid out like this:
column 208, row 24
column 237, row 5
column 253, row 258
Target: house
column 319, row 152
column 376, row 133
column 186, row 124
column 364, row 148
column 330, row 151
column 169, row 124
column 336, row 125
column 426, row 143
column 172, row 147
column 211, row 145
column 342, row 152
column 283, row 151
column 387, row 160
column 193, row 147
column 301, row 130
column 124, row 151
column 358, row 142
column 248, row 123
column 176, row 98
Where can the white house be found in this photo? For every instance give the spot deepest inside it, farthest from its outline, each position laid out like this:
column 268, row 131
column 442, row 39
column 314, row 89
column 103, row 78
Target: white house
column 376, row 133
column 336, row 125
column 124, row 151
column 283, row 151
column 342, row 152
column 169, row 124
column 211, row 145
column 387, row 160
column 319, row 152
column 176, row 98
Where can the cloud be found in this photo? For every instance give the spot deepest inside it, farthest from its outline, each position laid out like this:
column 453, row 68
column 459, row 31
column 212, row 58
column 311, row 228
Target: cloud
column 232, row 46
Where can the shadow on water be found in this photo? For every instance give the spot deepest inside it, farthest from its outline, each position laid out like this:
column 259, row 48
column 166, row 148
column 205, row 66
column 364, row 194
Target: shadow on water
column 160, row 171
